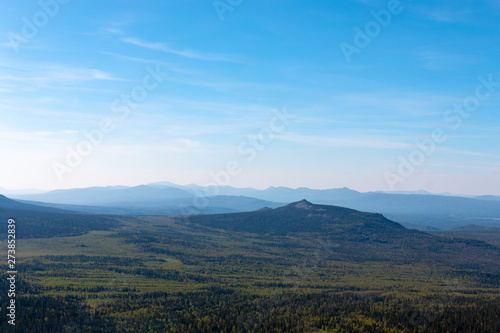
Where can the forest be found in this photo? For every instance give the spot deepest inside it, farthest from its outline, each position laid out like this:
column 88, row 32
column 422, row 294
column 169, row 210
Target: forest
column 344, row 271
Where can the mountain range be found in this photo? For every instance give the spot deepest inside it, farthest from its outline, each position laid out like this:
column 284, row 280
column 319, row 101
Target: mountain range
column 419, row 209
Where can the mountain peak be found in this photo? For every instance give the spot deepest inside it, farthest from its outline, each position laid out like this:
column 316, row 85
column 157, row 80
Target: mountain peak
column 303, row 204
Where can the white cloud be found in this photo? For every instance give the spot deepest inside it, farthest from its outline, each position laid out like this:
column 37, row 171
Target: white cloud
column 57, row 74
column 329, row 141
column 440, row 61
column 447, row 16
column 188, row 143
column 162, row 47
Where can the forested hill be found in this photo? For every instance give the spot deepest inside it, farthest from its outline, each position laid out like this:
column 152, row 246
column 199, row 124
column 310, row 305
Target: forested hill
column 9, row 204
column 359, row 236
column 42, row 222
column 301, row 216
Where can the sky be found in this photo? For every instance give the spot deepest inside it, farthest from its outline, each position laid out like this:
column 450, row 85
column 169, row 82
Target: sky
column 370, row 95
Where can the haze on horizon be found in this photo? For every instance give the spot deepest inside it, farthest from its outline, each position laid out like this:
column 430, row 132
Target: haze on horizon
column 272, row 94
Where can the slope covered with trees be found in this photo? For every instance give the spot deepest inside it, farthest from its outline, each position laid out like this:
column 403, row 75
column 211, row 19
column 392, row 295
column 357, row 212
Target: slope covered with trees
column 298, row 268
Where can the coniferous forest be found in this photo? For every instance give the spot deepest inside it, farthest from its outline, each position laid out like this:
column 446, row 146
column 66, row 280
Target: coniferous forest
column 306, row 269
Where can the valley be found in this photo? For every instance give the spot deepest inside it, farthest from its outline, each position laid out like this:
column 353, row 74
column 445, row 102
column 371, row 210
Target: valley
column 299, row 268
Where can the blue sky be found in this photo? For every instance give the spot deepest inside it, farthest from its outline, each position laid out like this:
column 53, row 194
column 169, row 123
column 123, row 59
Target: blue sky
column 356, row 118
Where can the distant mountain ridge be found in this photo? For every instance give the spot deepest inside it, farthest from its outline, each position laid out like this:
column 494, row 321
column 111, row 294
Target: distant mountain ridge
column 109, row 196
column 7, row 193
column 488, row 197
column 417, row 210
column 143, row 200
column 415, row 203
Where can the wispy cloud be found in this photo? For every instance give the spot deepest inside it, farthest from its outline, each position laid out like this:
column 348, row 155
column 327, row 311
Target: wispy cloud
column 62, row 73
column 463, row 164
column 386, row 103
column 188, row 143
column 440, row 61
column 447, row 16
column 371, row 3
column 46, row 133
column 104, row 32
column 466, row 152
column 52, row 74
column 224, row 84
column 37, row 136
column 138, row 150
column 113, row 27
column 167, row 66
column 162, row 47
column 329, row 141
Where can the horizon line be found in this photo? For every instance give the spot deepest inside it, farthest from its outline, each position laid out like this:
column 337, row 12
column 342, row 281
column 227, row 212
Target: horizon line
column 422, row 192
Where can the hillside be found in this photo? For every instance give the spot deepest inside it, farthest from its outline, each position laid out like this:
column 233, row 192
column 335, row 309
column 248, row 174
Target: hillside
column 300, row 216
column 302, row 267
column 360, row 236
column 489, row 235
column 9, row 204
column 44, row 222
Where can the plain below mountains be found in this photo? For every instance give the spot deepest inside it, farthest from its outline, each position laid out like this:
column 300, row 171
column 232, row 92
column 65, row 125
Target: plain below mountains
column 419, row 210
